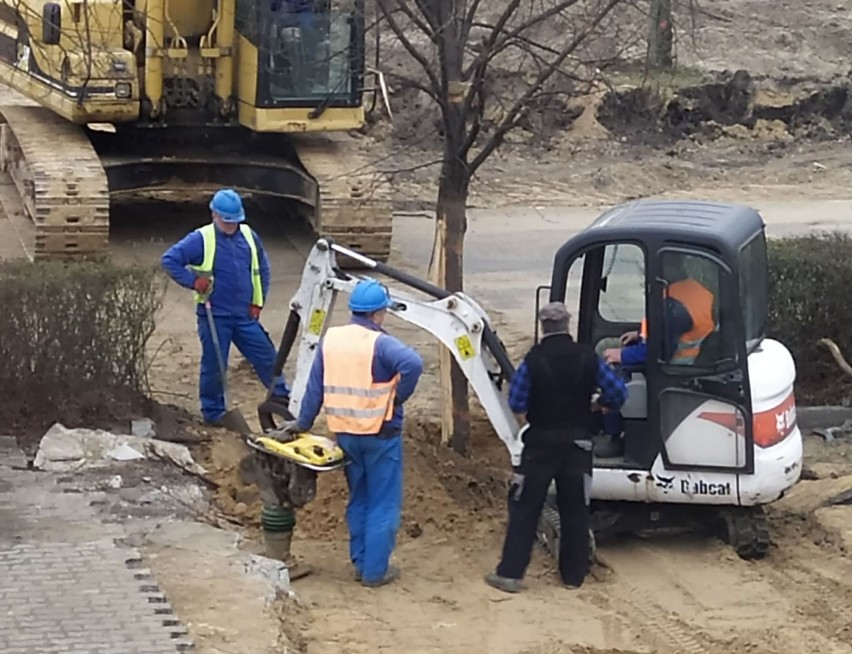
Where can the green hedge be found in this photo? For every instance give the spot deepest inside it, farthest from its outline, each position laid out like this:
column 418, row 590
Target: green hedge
column 810, row 297
column 73, row 339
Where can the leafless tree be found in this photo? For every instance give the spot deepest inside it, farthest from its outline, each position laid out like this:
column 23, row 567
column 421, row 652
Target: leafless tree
column 542, row 49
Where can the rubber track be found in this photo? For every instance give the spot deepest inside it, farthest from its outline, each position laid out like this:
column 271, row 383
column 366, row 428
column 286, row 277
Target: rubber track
column 548, row 529
column 356, row 201
column 751, row 539
column 61, row 182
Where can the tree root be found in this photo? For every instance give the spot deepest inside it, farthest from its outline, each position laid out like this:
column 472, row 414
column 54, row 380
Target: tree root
column 837, row 355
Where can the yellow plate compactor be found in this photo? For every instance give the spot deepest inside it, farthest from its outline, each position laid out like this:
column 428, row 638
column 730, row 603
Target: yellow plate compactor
column 307, row 450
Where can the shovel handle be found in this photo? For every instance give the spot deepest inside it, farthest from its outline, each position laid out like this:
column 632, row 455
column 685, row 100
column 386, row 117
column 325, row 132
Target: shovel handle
column 223, row 374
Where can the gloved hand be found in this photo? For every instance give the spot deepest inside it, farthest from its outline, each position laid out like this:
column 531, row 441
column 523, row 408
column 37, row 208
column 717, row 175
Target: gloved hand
column 292, row 427
column 202, row 284
column 287, row 432
column 254, row 312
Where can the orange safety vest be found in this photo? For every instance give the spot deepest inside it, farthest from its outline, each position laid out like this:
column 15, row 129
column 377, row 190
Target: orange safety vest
column 354, row 403
column 699, row 303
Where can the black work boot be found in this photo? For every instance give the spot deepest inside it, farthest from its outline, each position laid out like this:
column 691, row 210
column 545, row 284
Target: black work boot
column 505, row 584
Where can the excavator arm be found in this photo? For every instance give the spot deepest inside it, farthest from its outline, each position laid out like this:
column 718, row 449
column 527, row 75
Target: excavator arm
column 458, row 322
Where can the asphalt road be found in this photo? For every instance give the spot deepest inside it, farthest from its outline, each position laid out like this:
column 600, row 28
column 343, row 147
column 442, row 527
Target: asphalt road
column 509, row 251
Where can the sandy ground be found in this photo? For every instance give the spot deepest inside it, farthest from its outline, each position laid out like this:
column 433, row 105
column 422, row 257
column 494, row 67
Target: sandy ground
column 671, row 594
column 661, row 594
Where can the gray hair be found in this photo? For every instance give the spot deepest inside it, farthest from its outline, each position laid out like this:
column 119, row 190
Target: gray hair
column 554, row 317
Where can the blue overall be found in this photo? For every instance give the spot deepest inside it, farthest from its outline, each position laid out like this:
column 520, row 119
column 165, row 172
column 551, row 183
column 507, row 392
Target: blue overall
column 374, row 472
column 678, row 323
column 230, row 300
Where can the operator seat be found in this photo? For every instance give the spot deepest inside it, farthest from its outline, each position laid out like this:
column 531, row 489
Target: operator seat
column 636, row 406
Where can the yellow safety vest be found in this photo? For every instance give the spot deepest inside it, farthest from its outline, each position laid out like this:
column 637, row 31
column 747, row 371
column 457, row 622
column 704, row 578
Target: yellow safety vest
column 208, row 233
column 354, row 403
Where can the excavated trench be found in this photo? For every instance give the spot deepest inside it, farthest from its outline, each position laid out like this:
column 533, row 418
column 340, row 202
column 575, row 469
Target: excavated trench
column 645, row 116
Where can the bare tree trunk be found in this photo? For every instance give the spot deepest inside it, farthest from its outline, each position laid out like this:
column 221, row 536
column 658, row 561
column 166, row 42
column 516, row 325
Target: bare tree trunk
column 660, row 34
column 448, row 272
column 451, row 211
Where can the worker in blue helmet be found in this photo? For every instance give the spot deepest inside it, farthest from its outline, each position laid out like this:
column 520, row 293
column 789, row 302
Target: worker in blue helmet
column 224, row 261
column 363, row 375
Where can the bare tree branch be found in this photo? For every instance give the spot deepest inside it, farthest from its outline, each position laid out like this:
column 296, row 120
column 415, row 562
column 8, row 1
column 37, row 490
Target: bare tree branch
column 409, row 46
column 511, row 119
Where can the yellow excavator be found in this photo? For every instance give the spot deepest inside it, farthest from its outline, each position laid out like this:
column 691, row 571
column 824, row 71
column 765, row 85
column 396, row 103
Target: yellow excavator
column 149, row 95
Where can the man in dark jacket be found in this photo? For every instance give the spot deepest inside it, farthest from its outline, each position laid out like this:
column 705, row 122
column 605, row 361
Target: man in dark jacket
column 554, row 387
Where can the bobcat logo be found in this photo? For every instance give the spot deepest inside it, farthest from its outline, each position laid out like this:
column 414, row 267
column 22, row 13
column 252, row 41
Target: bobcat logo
column 666, row 483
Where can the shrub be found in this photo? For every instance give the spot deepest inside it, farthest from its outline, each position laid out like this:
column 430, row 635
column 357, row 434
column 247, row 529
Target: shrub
column 810, row 278
column 73, row 338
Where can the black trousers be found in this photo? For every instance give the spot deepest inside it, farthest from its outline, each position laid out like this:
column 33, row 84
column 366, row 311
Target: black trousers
column 547, row 457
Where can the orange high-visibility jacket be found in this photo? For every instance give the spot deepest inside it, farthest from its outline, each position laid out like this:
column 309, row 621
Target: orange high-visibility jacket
column 699, row 303
column 354, row 403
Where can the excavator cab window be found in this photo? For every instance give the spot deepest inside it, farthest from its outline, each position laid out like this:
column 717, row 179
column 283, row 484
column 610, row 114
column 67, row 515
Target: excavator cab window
column 311, row 54
column 51, row 23
column 754, row 289
column 621, row 298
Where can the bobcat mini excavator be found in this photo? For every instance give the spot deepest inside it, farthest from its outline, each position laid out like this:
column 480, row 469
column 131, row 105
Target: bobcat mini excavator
column 151, row 95
column 707, row 444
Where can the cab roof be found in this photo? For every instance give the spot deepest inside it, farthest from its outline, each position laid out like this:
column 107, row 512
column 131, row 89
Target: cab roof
column 725, row 227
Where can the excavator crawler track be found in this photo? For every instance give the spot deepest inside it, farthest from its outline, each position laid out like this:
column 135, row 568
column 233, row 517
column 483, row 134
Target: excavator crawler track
column 59, row 181
column 746, row 529
column 548, row 531
column 356, row 207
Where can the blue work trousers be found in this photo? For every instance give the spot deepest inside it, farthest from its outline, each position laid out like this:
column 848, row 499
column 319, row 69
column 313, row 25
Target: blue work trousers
column 613, row 421
column 255, row 345
column 374, row 475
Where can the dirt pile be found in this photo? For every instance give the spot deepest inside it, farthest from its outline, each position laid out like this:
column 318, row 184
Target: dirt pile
column 443, row 490
column 729, row 105
column 113, row 409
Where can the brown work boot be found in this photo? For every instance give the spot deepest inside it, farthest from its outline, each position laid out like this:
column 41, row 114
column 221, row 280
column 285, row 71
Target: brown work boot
column 390, row 576
column 505, row 584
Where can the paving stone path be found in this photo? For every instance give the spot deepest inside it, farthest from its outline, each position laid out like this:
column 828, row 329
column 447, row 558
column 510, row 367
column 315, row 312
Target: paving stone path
column 67, row 585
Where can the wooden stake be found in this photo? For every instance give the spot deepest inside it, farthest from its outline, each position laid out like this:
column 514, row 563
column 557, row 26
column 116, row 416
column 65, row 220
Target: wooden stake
column 438, row 276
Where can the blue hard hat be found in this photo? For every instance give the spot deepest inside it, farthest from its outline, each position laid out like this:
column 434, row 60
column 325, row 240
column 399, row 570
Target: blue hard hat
column 369, row 296
column 228, row 205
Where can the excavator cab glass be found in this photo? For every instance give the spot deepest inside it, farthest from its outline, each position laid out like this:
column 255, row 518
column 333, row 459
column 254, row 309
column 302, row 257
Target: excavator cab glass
column 695, row 275
column 310, row 52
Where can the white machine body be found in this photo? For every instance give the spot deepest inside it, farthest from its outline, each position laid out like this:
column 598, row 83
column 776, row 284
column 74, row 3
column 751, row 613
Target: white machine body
column 711, row 434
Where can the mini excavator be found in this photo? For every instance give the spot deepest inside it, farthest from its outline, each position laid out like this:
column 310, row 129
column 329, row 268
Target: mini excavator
column 707, row 445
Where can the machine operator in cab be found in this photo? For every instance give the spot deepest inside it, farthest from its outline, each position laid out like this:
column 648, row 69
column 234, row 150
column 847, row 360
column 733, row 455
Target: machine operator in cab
column 689, row 320
column 553, row 388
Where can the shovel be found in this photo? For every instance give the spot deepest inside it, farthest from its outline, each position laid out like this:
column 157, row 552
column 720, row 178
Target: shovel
column 233, row 418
